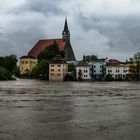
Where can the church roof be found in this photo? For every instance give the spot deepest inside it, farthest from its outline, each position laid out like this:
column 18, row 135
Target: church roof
column 66, row 26
column 43, row 44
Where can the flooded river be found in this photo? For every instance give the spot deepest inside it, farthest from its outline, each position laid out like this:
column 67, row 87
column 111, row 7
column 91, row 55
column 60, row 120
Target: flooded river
column 39, row 110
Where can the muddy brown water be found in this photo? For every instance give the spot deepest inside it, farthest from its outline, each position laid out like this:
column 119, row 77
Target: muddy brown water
column 39, row 110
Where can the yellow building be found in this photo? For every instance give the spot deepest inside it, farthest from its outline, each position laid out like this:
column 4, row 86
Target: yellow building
column 58, row 70
column 27, row 63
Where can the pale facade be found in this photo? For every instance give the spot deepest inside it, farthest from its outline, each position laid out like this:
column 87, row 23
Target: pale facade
column 97, row 69
column 27, row 64
column 58, row 71
column 119, row 71
column 83, row 71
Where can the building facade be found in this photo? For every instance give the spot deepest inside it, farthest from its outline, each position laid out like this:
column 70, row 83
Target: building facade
column 117, row 69
column 58, row 69
column 27, row 63
column 97, row 69
column 83, row 71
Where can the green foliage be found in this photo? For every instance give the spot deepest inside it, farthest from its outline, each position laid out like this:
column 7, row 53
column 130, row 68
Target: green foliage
column 41, row 70
column 49, row 53
column 80, row 75
column 8, row 67
column 90, row 58
column 136, row 65
column 5, row 74
column 71, row 67
column 108, row 77
column 71, row 76
column 9, row 62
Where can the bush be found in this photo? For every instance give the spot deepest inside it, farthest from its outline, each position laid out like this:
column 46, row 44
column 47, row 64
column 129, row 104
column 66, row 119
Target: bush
column 5, row 74
column 108, row 77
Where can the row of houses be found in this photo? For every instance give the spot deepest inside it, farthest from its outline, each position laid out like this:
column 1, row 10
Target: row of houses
column 95, row 70
column 99, row 69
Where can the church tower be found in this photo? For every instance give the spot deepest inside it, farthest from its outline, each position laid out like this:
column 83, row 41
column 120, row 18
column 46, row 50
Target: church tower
column 66, row 32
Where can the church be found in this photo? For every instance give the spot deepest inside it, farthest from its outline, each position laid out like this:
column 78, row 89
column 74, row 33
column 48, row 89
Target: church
column 28, row 62
column 63, row 43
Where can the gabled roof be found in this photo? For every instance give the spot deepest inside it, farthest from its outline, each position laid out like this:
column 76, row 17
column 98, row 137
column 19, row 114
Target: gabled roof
column 43, row 44
column 83, row 63
column 113, row 62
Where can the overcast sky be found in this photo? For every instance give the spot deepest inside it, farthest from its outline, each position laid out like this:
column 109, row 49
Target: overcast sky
column 107, row 28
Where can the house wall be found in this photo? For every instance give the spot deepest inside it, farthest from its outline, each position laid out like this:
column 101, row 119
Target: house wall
column 57, row 72
column 27, row 64
column 85, row 72
column 117, row 71
column 97, row 69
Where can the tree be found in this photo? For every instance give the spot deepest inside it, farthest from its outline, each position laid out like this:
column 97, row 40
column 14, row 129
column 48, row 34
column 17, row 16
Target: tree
column 135, row 61
column 80, row 75
column 5, row 74
column 41, row 70
column 90, row 58
column 49, row 53
column 71, row 67
column 9, row 62
column 108, row 77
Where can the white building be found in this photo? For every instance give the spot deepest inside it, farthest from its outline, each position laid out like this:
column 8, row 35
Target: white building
column 83, row 71
column 97, row 69
column 118, row 71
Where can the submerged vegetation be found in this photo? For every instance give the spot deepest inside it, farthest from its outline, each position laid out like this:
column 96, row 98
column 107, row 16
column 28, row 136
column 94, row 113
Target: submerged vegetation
column 8, row 67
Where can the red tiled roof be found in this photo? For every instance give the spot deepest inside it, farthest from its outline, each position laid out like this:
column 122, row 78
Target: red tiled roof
column 43, row 44
column 82, row 63
column 113, row 62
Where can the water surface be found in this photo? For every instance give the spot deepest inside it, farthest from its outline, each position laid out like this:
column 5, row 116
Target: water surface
column 39, row 110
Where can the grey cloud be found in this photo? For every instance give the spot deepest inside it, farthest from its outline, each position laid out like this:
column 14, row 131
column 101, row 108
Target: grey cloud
column 123, row 33
column 106, row 35
column 42, row 6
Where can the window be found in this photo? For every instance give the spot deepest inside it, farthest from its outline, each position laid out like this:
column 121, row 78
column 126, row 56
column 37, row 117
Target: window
column 58, row 74
column 52, row 74
column 52, row 69
column 58, row 70
column 22, row 62
column 125, row 71
column 52, row 65
column 85, row 71
column 26, row 62
column 117, row 71
column 109, row 71
column 58, row 65
column 85, row 75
